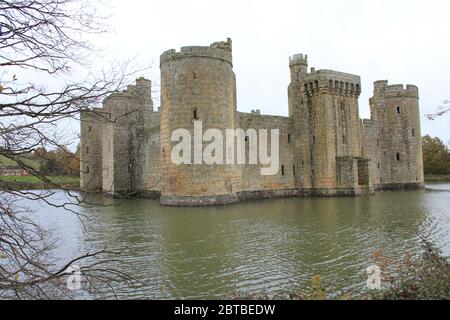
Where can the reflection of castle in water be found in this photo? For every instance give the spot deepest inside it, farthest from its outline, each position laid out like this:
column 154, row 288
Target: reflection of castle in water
column 325, row 149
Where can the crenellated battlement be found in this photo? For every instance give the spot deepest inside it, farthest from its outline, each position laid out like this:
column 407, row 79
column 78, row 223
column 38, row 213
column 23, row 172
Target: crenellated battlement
column 328, row 81
column 395, row 90
column 142, row 87
column 298, row 59
column 400, row 90
column 218, row 50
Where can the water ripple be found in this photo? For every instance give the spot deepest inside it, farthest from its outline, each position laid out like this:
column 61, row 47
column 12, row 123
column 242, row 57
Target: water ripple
column 261, row 246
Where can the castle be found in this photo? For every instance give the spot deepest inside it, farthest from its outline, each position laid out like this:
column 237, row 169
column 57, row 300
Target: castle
column 325, row 148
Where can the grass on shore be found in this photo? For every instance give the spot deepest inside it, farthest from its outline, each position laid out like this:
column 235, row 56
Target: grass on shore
column 62, row 180
column 6, row 162
column 437, row 178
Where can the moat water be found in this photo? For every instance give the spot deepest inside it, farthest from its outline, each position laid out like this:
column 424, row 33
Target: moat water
column 271, row 246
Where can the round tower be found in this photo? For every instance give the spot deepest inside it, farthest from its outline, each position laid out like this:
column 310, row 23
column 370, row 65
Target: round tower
column 198, row 87
column 400, row 136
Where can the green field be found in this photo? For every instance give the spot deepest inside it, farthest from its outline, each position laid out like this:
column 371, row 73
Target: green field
column 437, row 178
column 6, row 162
column 31, row 180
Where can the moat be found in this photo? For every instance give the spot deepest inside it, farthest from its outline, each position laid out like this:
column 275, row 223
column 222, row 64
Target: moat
column 257, row 246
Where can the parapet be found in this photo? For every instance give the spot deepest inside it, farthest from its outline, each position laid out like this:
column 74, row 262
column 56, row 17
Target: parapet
column 380, row 85
column 143, row 86
column 400, row 91
column 338, row 83
column 143, row 83
column 396, row 90
column 218, row 50
column 94, row 114
column 298, row 59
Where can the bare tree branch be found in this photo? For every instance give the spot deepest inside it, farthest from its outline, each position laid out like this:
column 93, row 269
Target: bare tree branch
column 47, row 38
column 442, row 110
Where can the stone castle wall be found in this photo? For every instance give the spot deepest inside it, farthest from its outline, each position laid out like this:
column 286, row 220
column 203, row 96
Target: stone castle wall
column 325, row 148
column 252, row 180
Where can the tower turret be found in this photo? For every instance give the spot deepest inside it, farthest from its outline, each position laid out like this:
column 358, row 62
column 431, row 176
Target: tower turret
column 298, row 64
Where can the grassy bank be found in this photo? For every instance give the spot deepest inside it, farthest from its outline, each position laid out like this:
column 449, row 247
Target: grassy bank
column 437, row 178
column 6, row 162
column 34, row 183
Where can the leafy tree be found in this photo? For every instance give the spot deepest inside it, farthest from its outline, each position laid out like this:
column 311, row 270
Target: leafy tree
column 436, row 156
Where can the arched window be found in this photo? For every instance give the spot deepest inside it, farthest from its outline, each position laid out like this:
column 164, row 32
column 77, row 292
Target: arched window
column 398, row 110
column 194, row 114
column 398, row 156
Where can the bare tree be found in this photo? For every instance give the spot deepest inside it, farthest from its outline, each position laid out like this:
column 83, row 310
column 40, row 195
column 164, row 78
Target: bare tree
column 441, row 111
column 42, row 42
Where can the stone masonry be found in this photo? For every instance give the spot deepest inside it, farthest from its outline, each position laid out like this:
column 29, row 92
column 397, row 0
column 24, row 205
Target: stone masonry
column 325, row 148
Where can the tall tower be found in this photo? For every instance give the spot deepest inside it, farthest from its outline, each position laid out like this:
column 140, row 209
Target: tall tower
column 124, row 148
column 91, row 134
column 197, row 84
column 299, row 112
column 324, row 107
column 396, row 111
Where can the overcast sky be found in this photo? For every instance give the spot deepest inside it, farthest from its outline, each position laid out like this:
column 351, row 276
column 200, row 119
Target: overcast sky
column 400, row 41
